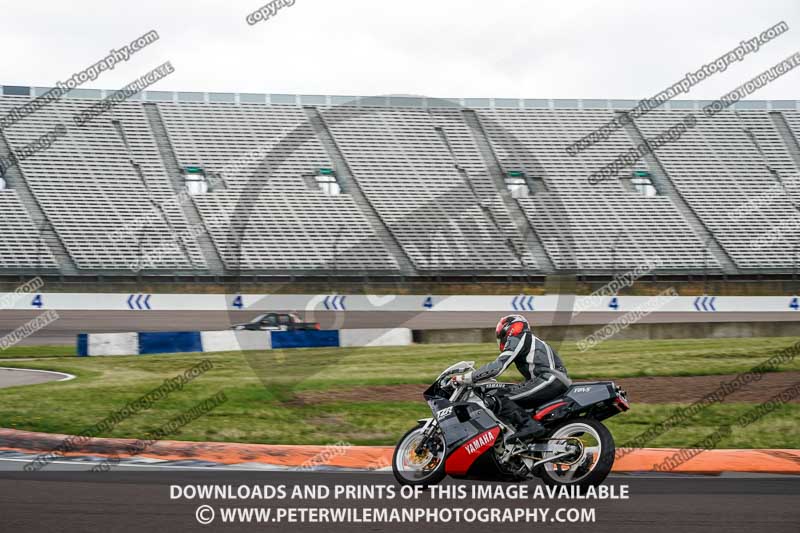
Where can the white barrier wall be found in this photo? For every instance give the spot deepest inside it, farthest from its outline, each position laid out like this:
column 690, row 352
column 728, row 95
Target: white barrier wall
column 375, row 337
column 113, row 344
column 418, row 303
column 232, row 341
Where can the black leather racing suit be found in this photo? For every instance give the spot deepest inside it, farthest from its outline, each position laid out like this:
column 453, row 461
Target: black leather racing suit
column 544, row 372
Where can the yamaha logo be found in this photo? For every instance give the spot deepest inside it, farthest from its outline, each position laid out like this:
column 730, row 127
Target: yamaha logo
column 479, row 443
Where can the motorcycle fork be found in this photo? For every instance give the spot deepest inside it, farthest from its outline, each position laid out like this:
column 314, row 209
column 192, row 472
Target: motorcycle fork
column 427, row 432
column 431, row 425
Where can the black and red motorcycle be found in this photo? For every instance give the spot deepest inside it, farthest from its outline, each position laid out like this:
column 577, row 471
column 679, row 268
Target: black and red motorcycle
column 465, row 439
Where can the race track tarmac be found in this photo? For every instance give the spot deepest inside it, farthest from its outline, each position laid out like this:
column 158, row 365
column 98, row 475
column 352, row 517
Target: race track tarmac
column 141, row 501
column 13, row 377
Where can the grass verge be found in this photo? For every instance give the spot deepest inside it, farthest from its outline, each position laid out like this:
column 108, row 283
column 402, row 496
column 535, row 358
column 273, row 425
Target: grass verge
column 258, row 385
column 16, row 352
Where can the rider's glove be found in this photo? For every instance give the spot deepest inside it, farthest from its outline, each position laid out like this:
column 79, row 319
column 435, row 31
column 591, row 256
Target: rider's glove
column 462, row 379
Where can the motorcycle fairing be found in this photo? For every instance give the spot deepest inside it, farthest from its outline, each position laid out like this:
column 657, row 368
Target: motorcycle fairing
column 459, row 461
column 589, row 393
column 466, row 427
column 598, row 399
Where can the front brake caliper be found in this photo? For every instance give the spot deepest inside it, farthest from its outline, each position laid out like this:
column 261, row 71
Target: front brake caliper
column 418, row 454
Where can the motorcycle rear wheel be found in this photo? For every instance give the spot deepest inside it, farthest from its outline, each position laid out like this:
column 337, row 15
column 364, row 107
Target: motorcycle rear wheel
column 410, row 468
column 595, row 461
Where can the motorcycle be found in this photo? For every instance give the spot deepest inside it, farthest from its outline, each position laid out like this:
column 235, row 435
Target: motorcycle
column 465, row 439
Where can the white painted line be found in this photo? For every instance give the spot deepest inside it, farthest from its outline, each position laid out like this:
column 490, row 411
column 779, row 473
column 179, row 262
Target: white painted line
column 267, row 467
column 66, row 377
column 95, row 463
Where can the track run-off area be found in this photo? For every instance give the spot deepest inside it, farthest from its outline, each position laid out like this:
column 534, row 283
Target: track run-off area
column 14, row 377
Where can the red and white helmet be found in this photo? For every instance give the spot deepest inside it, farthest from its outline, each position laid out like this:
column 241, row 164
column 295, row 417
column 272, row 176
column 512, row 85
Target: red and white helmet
column 510, row 325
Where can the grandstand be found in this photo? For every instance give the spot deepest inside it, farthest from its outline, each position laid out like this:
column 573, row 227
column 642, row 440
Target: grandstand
column 220, row 184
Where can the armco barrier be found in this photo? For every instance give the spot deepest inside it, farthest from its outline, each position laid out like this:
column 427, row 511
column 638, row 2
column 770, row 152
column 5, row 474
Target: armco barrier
column 112, row 343
column 167, row 341
column 304, row 339
column 91, row 344
column 375, row 337
column 234, row 341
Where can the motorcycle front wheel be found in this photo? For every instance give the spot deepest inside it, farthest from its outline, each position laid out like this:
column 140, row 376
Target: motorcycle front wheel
column 412, row 468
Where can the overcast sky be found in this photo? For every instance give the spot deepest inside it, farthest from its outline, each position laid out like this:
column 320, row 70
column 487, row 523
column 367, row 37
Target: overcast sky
column 441, row 48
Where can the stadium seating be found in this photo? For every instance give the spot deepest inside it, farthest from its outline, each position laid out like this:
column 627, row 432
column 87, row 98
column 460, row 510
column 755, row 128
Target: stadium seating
column 588, row 227
column 262, row 153
column 105, row 211
column 20, row 243
column 463, row 142
column 720, row 172
column 410, row 178
column 411, row 186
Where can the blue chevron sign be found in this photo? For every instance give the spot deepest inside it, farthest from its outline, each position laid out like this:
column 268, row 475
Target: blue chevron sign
column 135, row 302
column 335, row 303
column 522, row 303
column 705, row 303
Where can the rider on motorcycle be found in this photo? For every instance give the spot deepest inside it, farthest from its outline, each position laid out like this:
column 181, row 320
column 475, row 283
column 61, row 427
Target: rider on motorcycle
column 544, row 373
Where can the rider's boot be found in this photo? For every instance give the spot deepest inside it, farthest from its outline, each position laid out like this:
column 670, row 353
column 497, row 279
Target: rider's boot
column 528, row 428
